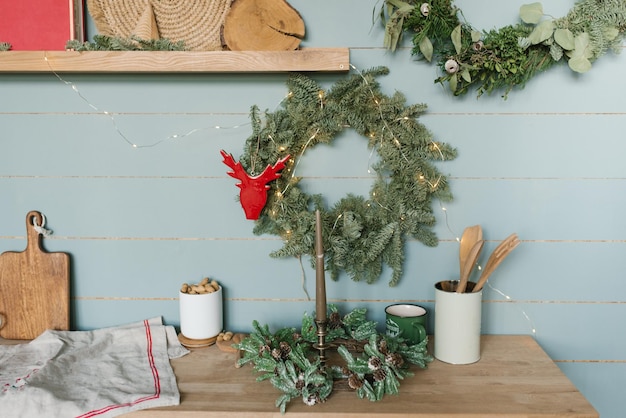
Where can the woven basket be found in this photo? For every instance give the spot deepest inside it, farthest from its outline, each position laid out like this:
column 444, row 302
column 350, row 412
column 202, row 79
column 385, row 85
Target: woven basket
column 196, row 22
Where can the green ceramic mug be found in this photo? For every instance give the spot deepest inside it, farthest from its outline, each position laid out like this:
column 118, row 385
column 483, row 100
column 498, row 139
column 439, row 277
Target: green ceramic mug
column 407, row 321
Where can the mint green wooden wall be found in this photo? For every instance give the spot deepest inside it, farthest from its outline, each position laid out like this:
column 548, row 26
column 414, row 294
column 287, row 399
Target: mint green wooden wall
column 547, row 164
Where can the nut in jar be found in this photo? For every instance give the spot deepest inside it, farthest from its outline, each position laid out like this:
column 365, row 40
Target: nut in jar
column 206, row 285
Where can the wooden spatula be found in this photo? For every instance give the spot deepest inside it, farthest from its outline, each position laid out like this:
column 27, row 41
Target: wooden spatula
column 496, row 257
column 471, row 235
column 34, row 288
column 472, row 257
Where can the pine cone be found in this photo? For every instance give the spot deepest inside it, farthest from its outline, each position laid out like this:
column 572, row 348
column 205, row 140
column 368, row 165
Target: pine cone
column 285, row 349
column 354, row 381
column 380, row 375
column 334, row 321
column 311, row 400
column 276, row 354
column 263, row 349
column 394, row 359
column 382, row 347
column 300, row 384
column 374, row 363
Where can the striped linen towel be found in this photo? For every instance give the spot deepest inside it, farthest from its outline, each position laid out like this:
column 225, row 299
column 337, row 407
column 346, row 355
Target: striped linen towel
column 101, row 373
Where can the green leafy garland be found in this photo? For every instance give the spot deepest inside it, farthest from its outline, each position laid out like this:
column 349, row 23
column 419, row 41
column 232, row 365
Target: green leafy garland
column 499, row 60
column 360, row 235
column 285, row 359
column 5, row 46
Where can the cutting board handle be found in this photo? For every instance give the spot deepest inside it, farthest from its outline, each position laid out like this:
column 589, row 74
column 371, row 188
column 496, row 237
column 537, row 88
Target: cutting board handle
column 32, row 235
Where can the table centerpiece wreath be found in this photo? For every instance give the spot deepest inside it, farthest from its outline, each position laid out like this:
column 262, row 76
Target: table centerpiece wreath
column 361, row 235
column 505, row 58
column 373, row 364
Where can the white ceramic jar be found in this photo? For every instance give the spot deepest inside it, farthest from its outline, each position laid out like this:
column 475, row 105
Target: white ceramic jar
column 201, row 315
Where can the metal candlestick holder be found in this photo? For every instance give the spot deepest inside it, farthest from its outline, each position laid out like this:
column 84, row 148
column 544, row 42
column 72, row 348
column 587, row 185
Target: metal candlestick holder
column 321, row 345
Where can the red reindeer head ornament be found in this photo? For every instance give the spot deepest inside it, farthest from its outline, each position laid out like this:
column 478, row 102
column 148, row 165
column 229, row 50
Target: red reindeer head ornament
column 253, row 190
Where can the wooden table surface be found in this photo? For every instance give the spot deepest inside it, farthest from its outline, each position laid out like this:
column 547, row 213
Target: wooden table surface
column 514, row 378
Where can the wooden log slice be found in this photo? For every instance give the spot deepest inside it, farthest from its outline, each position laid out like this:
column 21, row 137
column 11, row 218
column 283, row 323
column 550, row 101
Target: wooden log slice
column 262, row 25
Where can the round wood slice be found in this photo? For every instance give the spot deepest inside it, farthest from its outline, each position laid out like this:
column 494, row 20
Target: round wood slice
column 262, row 25
column 191, row 343
column 227, row 346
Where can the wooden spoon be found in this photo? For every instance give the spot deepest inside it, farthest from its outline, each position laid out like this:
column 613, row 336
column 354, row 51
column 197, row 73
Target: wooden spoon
column 496, row 257
column 469, row 265
column 471, row 235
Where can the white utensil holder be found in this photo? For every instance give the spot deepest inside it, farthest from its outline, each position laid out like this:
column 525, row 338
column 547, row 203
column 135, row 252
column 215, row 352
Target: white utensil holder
column 457, row 324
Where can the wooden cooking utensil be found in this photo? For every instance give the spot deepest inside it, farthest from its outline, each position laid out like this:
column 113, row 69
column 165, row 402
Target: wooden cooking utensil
column 496, row 257
column 34, row 288
column 472, row 257
column 471, row 235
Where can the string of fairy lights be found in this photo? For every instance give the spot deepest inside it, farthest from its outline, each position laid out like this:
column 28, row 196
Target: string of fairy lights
column 178, row 136
column 120, row 132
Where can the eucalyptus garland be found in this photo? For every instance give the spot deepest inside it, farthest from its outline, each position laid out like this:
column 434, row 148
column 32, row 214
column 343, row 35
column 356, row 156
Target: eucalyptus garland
column 373, row 363
column 499, row 60
column 361, row 234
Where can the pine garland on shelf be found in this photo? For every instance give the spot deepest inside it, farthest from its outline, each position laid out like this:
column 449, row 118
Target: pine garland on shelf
column 108, row 43
column 373, row 365
column 361, row 235
column 500, row 60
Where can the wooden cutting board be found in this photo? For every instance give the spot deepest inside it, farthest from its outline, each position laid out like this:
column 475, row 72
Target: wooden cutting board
column 34, row 288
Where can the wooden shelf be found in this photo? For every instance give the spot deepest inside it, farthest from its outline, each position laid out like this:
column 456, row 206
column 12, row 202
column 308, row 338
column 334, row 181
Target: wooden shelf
column 303, row 60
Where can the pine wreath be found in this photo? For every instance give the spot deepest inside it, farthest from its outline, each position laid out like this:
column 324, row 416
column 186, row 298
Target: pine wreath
column 361, row 235
column 374, row 364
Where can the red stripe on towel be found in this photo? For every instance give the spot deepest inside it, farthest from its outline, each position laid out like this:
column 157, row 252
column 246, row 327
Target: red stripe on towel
column 155, row 376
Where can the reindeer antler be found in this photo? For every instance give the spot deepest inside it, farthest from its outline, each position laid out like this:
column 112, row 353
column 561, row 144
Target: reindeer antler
column 271, row 172
column 238, row 171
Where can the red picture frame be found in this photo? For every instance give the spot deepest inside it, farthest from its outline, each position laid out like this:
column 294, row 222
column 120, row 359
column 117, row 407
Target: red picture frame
column 41, row 24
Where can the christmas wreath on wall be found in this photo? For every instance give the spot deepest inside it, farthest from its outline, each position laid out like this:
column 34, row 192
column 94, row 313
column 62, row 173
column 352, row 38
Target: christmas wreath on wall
column 361, row 235
column 499, row 60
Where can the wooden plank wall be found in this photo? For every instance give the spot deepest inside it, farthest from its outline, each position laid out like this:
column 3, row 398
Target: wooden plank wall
column 547, row 163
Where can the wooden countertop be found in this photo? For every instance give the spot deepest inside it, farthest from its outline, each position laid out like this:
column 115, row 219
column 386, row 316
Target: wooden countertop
column 514, row 378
